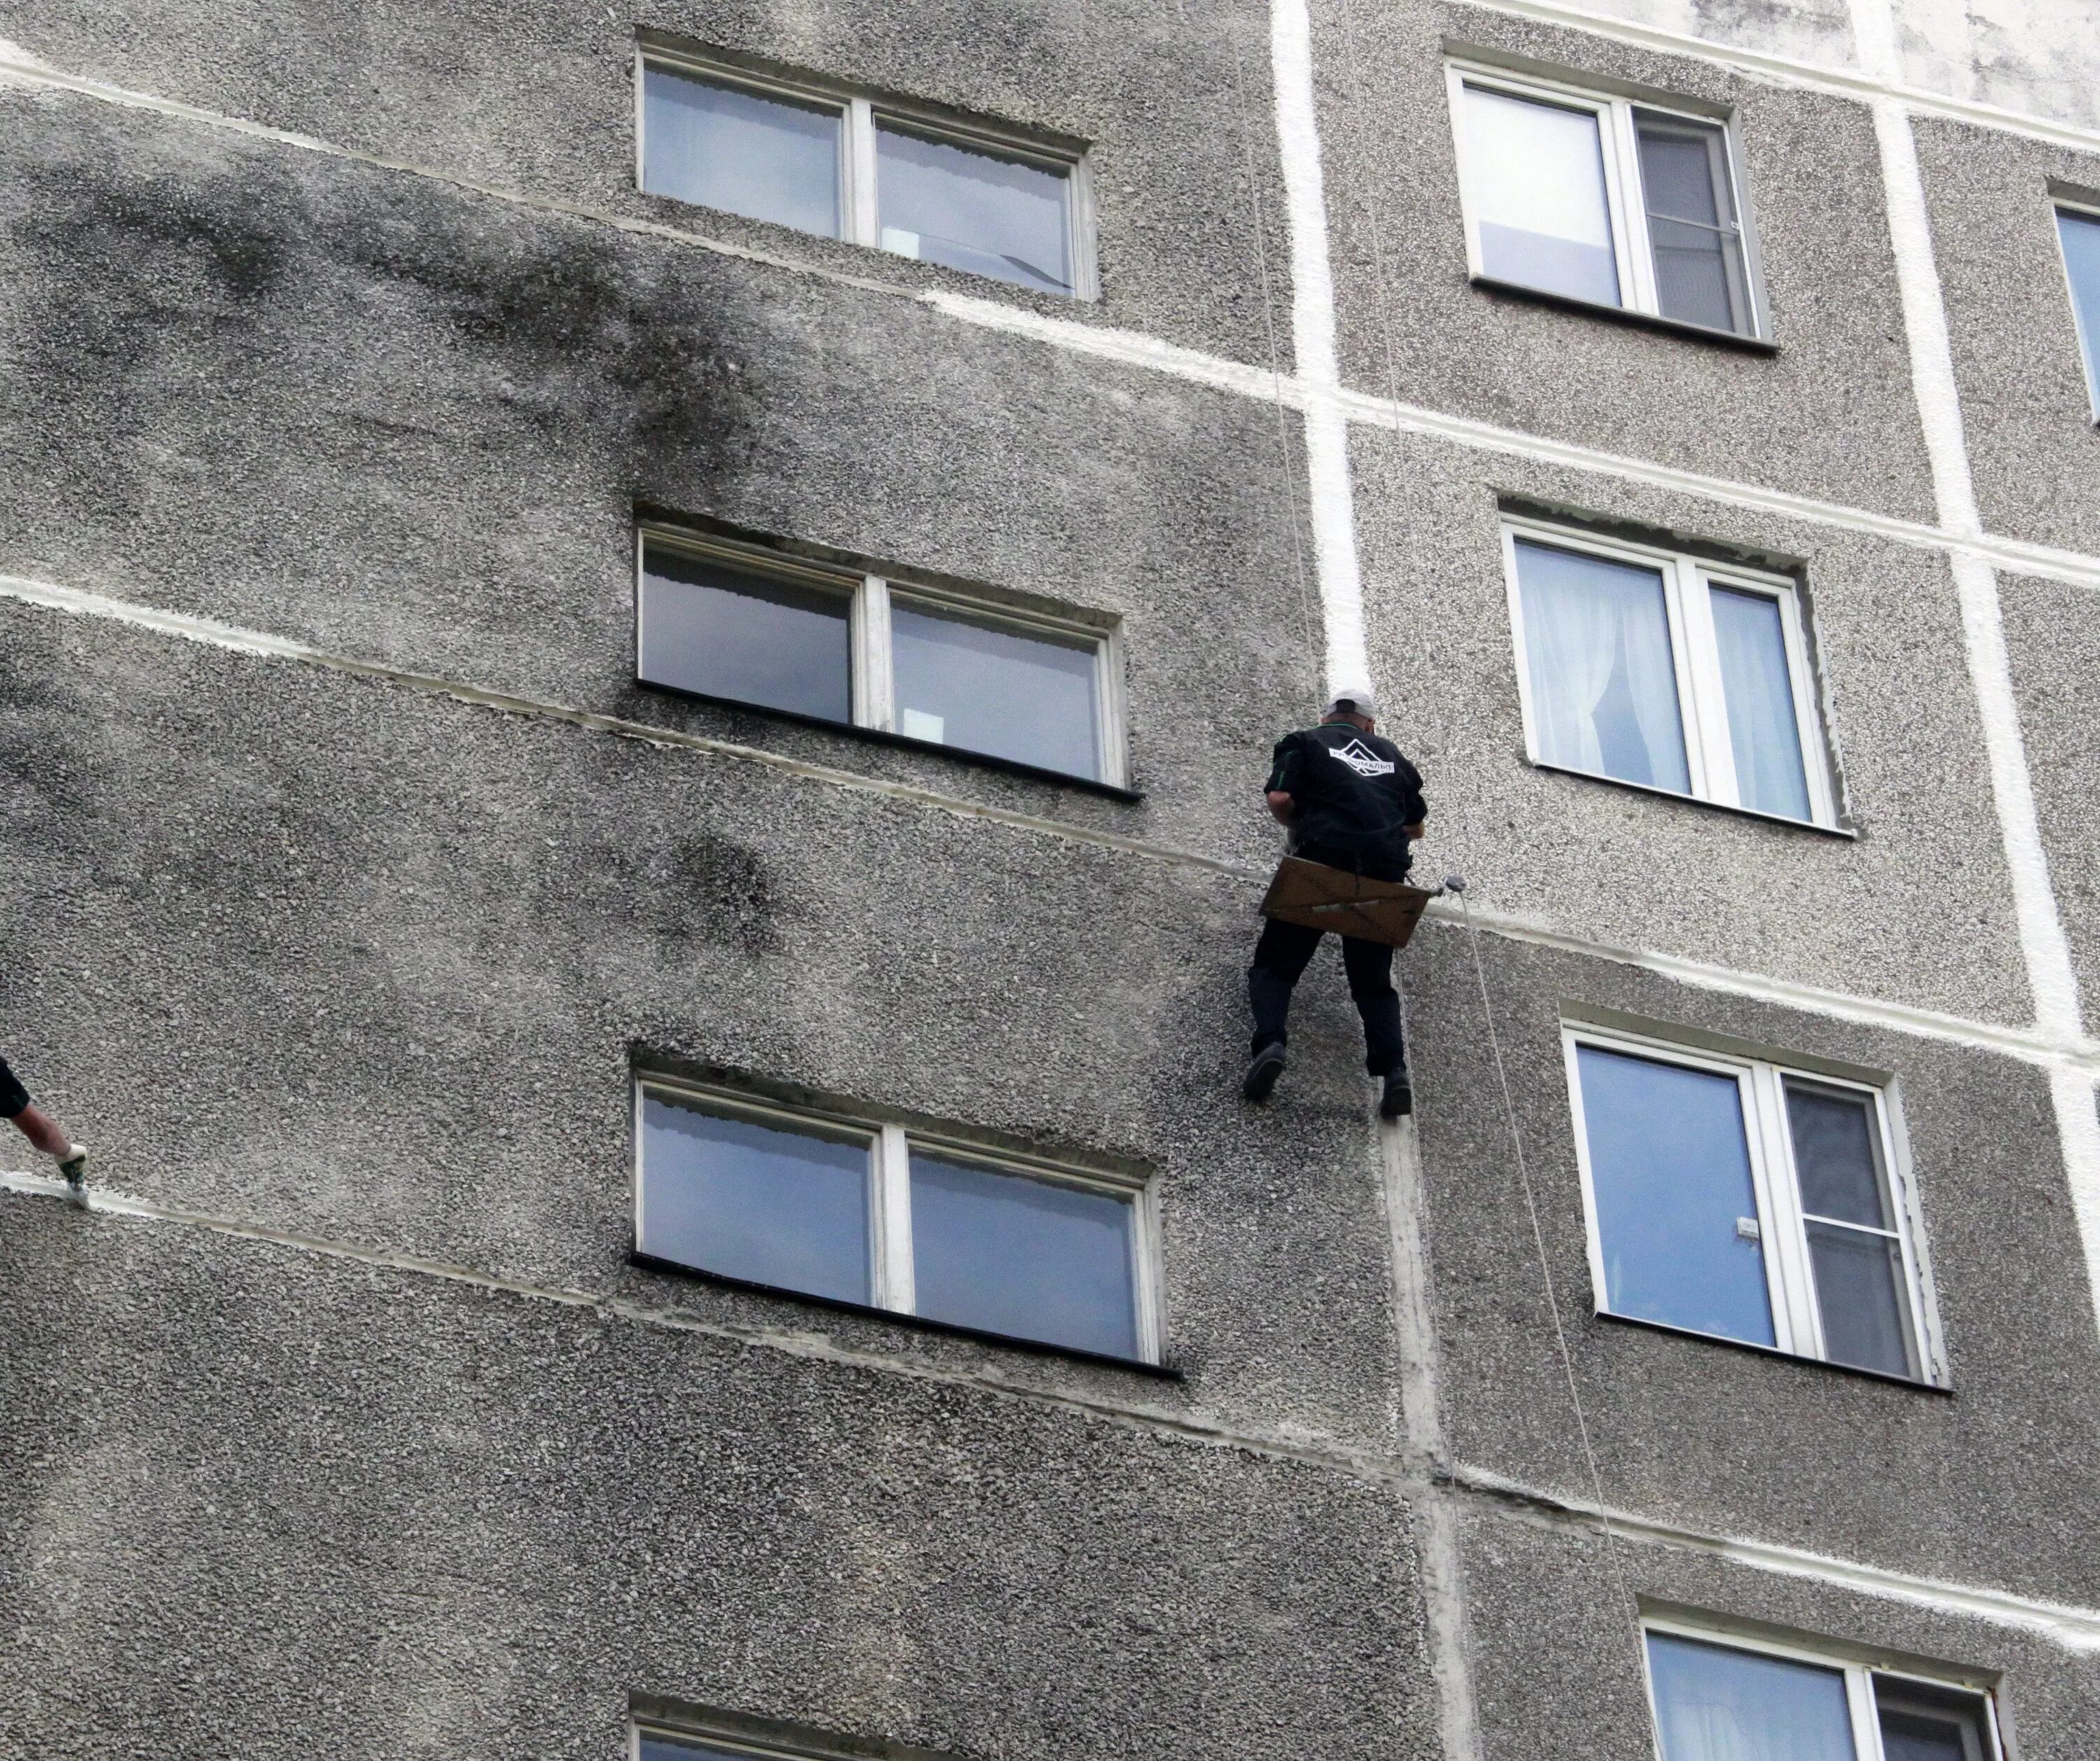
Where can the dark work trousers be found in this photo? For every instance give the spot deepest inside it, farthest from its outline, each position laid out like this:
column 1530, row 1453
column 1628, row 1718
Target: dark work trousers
column 1280, row 957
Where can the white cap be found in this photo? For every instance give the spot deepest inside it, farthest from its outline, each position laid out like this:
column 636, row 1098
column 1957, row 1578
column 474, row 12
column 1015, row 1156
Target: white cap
column 1353, row 700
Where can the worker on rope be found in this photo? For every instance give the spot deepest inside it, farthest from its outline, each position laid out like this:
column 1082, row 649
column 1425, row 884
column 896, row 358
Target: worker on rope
column 40, row 1128
column 1352, row 801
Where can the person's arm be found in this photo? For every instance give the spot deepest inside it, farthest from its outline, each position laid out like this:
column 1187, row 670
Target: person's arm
column 1281, row 805
column 1282, row 773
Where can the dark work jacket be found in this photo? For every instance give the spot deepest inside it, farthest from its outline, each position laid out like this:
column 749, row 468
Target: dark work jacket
column 1351, row 793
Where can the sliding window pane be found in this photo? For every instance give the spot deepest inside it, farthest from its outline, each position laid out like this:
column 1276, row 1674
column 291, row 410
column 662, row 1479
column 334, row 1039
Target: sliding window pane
column 1603, row 679
column 1028, row 1258
column 1670, row 1168
column 1758, row 685
column 1860, row 1291
column 725, row 632
column 1009, row 219
column 1715, row 1703
column 1536, row 173
column 723, row 146
column 2080, row 237
column 768, row 1202
column 1692, row 222
column 987, row 688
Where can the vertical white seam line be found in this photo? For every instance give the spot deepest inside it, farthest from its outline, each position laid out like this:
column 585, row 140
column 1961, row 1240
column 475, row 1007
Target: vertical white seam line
column 2052, row 977
column 1312, row 344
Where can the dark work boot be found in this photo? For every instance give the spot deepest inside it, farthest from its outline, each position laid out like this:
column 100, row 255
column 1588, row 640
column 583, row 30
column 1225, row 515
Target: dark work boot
column 1262, row 1073
column 1398, row 1099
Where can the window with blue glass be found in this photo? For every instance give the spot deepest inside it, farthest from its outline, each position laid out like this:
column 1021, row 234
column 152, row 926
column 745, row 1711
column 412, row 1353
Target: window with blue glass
column 888, row 1218
column 2078, row 232
column 1666, row 671
column 1737, row 1198
column 818, row 156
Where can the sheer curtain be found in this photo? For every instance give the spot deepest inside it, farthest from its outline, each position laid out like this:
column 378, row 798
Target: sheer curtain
column 1604, row 684
column 1717, row 1704
column 1759, row 688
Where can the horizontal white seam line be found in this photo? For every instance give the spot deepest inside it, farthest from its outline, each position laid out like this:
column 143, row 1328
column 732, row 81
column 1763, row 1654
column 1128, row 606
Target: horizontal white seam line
column 2028, row 1044
column 2075, row 1629
column 1136, row 349
column 1376, row 1466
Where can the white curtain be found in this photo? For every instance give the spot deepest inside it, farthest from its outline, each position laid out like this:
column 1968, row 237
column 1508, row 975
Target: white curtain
column 1717, row 1704
column 1759, row 687
column 1603, row 686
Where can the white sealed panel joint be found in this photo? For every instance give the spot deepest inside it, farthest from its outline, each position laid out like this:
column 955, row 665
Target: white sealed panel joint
column 1668, row 672
column 1741, row 1198
column 819, row 1203
column 823, row 157
column 740, row 623
column 1606, row 201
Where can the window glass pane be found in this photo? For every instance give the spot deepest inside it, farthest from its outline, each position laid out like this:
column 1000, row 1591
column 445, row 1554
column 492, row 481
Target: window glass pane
column 1025, row 1257
column 2080, row 234
column 724, row 147
column 1692, row 222
column 710, row 627
column 1860, row 1295
column 1671, row 1170
column 768, row 1202
column 1535, row 174
column 1030, row 698
column 1923, row 1723
column 664, row 1748
column 971, row 209
column 1836, row 1154
column 1758, row 685
column 1717, row 1704
column 1604, row 680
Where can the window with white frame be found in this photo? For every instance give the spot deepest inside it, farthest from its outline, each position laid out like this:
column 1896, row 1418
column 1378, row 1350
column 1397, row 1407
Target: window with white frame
column 888, row 1218
column 810, row 154
column 2078, row 233
column 1732, row 1196
column 1608, row 200
column 1717, row 1699
column 722, row 619
column 1667, row 671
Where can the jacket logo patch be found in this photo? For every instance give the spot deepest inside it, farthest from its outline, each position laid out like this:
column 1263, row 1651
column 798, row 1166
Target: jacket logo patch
column 1360, row 759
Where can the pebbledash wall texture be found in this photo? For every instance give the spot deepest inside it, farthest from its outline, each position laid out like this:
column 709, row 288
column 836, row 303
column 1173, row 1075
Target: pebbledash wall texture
column 351, row 881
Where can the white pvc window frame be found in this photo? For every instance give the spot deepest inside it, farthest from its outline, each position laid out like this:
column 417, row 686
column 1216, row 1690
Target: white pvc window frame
column 873, row 680
column 892, row 1284
column 1702, row 700
column 1625, row 203
column 1860, row 1701
column 861, row 111
column 1781, row 1224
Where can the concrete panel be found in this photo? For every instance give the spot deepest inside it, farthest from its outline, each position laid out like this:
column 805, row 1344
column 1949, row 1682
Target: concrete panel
column 413, row 424
column 1830, row 415
column 368, row 964
column 254, row 1502
column 1560, row 1671
column 2033, row 56
column 1916, row 908
column 539, row 98
column 1722, row 1438
column 2054, row 645
column 2027, row 409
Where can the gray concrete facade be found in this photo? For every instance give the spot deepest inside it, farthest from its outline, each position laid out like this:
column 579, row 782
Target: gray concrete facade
column 349, row 879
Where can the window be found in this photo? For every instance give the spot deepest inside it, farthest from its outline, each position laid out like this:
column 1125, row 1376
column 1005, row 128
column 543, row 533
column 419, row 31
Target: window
column 815, row 156
column 731, row 620
column 1745, row 1702
column 2079, row 234
column 887, row 1218
column 1667, row 672
column 1601, row 200
column 1732, row 1197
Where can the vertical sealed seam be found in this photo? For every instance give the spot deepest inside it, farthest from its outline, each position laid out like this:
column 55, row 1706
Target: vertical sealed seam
column 1312, row 343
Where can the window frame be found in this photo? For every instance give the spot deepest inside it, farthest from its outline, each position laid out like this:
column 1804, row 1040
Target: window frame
column 2089, row 354
column 1632, row 249
column 892, row 1280
column 872, row 675
column 1776, row 1183
column 860, row 112
column 1702, row 703
column 1861, row 1699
